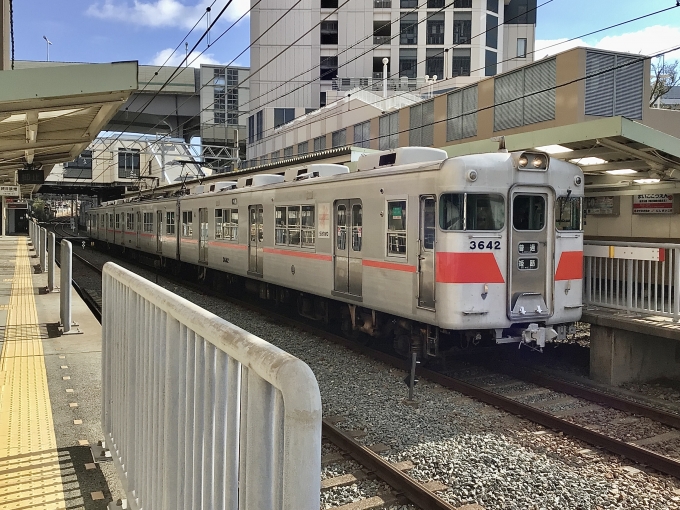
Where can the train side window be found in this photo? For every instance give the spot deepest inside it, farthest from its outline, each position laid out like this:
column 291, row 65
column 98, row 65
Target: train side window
column 294, row 226
column 148, row 222
column 357, row 227
column 218, row 223
column 117, row 227
column 187, row 224
column 280, row 226
column 528, row 212
column 341, row 221
column 396, row 228
column 308, row 227
column 230, row 224
column 111, row 221
column 170, row 223
column 568, row 213
column 451, row 211
column 130, row 222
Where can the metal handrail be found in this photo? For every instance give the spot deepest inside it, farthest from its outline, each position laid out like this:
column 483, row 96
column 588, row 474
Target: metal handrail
column 199, row 413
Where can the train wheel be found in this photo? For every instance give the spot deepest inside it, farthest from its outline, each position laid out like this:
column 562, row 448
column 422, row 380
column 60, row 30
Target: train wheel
column 346, row 327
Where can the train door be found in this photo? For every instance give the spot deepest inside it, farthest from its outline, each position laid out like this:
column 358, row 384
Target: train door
column 426, row 252
column 255, row 239
column 348, row 246
column 159, row 231
column 203, row 235
column 530, row 277
column 138, row 227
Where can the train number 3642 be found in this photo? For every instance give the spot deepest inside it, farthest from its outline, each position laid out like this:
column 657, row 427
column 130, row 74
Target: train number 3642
column 482, row 245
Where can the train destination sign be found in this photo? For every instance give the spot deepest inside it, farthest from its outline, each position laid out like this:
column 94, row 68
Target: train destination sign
column 527, row 247
column 31, row 177
column 527, row 263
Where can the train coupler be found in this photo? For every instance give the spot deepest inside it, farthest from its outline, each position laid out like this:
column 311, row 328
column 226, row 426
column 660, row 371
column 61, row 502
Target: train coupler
column 535, row 336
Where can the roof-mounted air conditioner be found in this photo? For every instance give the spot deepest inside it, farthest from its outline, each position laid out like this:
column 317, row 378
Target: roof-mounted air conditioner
column 400, row 156
column 259, row 180
column 322, row 170
column 223, row 186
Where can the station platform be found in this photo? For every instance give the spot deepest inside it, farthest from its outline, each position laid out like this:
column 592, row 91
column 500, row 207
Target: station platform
column 50, row 394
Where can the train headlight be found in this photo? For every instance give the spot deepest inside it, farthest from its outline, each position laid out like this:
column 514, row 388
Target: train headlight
column 538, row 162
column 533, row 161
column 523, row 161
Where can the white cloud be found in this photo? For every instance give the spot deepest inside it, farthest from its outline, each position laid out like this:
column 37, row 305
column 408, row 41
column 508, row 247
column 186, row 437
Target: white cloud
column 195, row 58
column 164, row 13
column 648, row 41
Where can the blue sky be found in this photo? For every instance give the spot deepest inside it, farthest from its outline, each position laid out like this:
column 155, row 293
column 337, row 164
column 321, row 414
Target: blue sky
column 147, row 30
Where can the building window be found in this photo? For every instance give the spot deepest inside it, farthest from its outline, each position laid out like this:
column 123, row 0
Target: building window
column 187, row 224
column 322, row 99
column 461, row 114
column 288, row 152
column 462, row 28
column 328, row 68
column 302, row 148
column 319, row 143
column 382, row 32
column 462, row 4
column 275, row 157
column 362, row 135
column 408, row 4
column 251, row 129
column 283, row 116
column 294, row 226
column 408, row 63
column 408, row 29
column 492, row 5
column 339, row 138
column 435, row 29
column 490, row 65
column 148, row 222
column 435, row 4
column 389, row 131
column 421, row 124
column 329, row 4
column 226, row 224
column 460, row 65
column 263, row 160
column 396, row 228
column 79, row 168
column 219, row 117
column 128, row 163
column 329, row 32
column 492, row 31
column 521, row 48
column 170, row 223
column 259, row 124
column 434, row 62
column 520, row 12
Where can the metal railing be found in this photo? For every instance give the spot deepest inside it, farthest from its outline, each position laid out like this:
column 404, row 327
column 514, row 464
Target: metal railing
column 636, row 277
column 382, row 4
column 198, row 413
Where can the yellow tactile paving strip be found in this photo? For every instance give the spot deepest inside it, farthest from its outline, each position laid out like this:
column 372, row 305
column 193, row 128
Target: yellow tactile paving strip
column 29, row 464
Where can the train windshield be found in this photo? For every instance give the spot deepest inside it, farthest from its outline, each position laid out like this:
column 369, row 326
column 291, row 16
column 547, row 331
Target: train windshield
column 471, row 211
column 568, row 213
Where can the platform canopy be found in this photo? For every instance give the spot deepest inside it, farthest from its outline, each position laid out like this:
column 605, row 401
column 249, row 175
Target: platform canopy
column 617, row 155
column 50, row 115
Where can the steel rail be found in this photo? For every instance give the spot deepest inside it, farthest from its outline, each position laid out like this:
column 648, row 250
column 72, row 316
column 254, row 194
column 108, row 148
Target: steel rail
column 633, row 452
column 413, row 490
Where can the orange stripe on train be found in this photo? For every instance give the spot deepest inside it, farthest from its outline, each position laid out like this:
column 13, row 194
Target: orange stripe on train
column 570, row 266
column 467, row 268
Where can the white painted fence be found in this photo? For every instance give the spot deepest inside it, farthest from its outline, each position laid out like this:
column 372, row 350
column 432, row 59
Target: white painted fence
column 637, row 277
column 200, row 414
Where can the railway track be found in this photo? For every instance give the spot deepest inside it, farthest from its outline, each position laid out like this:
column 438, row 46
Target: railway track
column 479, row 387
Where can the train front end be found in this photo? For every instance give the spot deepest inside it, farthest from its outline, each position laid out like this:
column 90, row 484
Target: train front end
column 510, row 247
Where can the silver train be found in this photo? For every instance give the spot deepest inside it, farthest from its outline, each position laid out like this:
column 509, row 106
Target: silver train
column 427, row 252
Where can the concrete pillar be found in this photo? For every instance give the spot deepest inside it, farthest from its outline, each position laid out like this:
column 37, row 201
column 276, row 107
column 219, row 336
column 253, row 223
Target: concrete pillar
column 618, row 356
column 4, row 214
column 5, row 63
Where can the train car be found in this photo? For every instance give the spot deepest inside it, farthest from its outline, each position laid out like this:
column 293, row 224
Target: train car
column 426, row 251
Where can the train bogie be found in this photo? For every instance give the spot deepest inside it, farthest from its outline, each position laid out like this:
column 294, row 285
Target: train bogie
column 413, row 246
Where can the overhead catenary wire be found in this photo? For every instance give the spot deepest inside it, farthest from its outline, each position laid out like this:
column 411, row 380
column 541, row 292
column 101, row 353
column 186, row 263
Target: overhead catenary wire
column 632, row 61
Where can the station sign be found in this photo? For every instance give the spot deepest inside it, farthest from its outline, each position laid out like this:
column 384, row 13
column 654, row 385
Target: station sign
column 17, row 205
column 30, row 177
column 653, row 204
column 9, row 191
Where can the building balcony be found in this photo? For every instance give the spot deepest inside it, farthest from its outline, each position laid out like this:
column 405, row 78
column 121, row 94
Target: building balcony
column 375, row 83
column 382, row 39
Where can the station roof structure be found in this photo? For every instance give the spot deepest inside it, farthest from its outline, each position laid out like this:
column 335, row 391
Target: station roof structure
column 613, row 152
column 50, row 115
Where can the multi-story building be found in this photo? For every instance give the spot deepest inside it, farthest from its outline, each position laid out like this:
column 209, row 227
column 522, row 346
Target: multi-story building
column 337, row 45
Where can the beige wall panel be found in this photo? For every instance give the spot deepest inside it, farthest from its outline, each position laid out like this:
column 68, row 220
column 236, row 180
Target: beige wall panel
column 440, row 120
column 404, row 121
